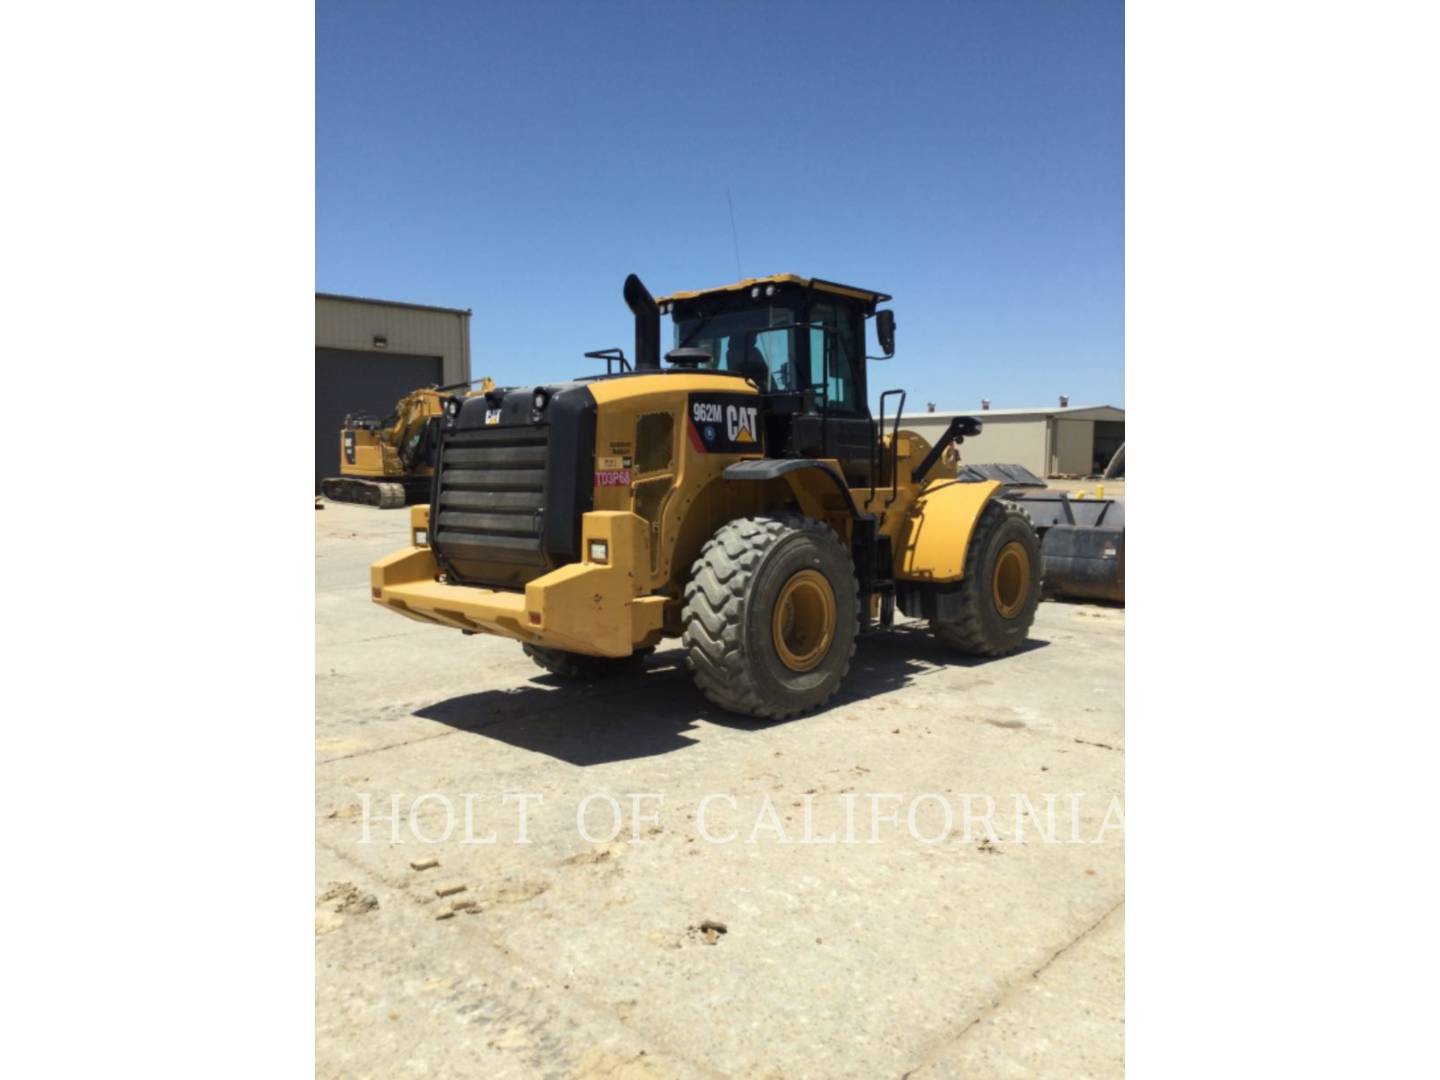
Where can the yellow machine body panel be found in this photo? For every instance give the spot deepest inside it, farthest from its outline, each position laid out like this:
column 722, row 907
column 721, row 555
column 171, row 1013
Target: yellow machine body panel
column 363, row 453
column 592, row 607
column 933, row 535
column 675, row 489
column 929, row 523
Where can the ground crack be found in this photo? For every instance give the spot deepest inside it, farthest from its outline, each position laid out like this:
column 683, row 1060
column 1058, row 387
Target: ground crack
column 1007, row 994
column 1101, row 745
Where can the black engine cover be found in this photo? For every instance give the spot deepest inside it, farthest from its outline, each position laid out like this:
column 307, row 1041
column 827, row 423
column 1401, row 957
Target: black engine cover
column 511, row 484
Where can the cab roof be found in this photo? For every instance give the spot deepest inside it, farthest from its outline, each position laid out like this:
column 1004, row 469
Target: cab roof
column 868, row 295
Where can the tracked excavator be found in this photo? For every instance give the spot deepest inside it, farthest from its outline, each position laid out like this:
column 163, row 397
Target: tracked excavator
column 389, row 462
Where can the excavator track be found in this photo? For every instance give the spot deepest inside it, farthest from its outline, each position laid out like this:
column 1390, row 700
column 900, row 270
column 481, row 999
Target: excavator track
column 381, row 493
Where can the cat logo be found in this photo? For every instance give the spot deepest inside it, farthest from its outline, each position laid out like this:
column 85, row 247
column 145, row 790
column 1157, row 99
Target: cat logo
column 740, row 423
column 725, row 424
column 492, row 417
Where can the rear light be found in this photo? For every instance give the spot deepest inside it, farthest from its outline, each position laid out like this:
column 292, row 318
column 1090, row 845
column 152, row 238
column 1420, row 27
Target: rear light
column 599, row 551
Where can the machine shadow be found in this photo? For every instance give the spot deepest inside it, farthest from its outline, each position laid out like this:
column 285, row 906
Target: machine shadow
column 652, row 711
column 1086, row 601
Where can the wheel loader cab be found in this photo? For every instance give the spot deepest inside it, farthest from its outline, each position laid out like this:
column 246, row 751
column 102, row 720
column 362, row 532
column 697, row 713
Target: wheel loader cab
column 735, row 494
column 802, row 343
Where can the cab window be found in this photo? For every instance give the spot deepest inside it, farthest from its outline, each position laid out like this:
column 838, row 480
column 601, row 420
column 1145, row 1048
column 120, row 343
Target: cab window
column 775, row 349
column 757, row 343
column 833, row 359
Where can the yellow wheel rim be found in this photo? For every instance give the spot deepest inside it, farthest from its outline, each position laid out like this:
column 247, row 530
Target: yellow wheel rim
column 803, row 624
column 1011, row 583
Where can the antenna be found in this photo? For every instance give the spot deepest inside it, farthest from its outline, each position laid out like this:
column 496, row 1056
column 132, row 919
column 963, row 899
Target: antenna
column 734, row 233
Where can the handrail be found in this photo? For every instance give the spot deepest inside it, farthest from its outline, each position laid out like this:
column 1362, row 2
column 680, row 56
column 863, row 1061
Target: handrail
column 610, row 356
column 877, row 450
column 895, row 452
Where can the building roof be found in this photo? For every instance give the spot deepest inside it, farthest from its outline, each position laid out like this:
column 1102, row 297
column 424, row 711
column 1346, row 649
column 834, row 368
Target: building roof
column 390, row 303
column 1043, row 410
column 782, row 279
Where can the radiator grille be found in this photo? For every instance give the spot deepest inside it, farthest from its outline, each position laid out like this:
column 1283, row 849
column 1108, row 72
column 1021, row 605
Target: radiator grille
column 488, row 518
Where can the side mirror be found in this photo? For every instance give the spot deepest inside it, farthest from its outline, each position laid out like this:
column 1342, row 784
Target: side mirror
column 885, row 331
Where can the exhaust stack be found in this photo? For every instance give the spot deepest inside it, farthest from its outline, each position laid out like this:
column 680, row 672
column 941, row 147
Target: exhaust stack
column 647, row 324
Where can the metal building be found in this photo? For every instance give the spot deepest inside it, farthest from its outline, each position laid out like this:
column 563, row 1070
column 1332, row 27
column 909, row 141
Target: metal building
column 370, row 353
column 1070, row 440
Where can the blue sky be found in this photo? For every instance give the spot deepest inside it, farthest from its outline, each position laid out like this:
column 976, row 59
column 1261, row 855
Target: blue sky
column 521, row 159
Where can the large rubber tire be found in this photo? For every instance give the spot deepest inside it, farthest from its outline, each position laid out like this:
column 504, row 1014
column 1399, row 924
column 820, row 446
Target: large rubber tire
column 730, row 614
column 569, row 665
column 982, row 628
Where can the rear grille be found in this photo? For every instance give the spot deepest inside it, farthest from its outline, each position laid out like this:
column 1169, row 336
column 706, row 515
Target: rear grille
column 490, row 505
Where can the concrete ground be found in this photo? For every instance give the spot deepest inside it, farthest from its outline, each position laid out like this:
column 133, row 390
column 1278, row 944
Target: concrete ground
column 971, row 956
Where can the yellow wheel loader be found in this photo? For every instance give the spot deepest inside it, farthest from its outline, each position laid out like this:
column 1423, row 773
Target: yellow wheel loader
column 738, row 496
column 388, row 463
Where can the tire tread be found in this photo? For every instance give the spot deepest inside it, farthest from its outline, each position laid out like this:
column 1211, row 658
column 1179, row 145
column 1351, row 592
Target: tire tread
column 966, row 633
column 714, row 611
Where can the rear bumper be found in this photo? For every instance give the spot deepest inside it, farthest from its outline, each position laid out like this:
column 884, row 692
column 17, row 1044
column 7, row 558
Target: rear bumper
column 585, row 607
